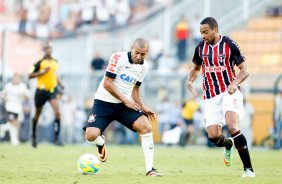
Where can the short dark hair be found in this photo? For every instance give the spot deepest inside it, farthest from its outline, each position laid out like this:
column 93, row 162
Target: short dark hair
column 210, row 21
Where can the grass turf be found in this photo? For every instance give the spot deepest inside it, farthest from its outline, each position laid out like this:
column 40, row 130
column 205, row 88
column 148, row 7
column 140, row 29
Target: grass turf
column 50, row 164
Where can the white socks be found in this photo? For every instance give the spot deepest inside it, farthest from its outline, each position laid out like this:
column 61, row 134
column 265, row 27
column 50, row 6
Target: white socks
column 14, row 135
column 13, row 131
column 148, row 149
column 99, row 141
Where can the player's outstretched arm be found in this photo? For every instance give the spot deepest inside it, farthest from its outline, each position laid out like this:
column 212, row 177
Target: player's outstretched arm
column 192, row 77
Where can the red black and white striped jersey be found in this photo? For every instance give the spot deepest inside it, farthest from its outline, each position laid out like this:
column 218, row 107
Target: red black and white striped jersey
column 217, row 63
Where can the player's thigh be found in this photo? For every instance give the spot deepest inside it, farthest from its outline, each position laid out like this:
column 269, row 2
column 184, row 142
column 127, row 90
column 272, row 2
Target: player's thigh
column 232, row 106
column 213, row 113
column 40, row 98
column 133, row 120
column 55, row 105
column 101, row 115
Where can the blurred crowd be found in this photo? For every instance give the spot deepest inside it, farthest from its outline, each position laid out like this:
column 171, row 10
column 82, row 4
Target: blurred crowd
column 47, row 19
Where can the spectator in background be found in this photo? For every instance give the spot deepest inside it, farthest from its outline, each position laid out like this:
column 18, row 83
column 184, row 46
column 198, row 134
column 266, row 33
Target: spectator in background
column 22, row 21
column 123, row 13
column 163, row 109
column 80, row 118
column 167, row 64
column 247, row 122
column 14, row 94
column 97, row 63
column 196, row 35
column 187, row 112
column 278, row 120
column 68, row 108
column 102, row 12
column 182, row 33
column 25, row 125
column 156, row 50
column 87, row 11
column 274, row 11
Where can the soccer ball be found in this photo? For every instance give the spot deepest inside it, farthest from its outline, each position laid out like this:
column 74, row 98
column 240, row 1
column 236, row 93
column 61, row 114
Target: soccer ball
column 88, row 164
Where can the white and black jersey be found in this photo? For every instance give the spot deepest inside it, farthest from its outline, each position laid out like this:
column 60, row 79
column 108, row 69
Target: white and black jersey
column 126, row 75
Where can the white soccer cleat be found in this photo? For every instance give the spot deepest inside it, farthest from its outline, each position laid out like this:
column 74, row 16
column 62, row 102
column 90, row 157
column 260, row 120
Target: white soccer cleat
column 248, row 174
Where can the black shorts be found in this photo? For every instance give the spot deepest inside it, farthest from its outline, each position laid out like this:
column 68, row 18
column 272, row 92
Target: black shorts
column 42, row 96
column 11, row 116
column 188, row 121
column 103, row 113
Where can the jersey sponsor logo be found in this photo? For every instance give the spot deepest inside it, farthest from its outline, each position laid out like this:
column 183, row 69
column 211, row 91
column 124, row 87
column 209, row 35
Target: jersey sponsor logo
column 91, row 118
column 215, row 69
column 113, row 63
column 128, row 79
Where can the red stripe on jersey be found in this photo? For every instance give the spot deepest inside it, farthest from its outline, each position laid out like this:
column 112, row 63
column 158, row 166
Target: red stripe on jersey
column 207, row 74
column 218, row 74
column 227, row 62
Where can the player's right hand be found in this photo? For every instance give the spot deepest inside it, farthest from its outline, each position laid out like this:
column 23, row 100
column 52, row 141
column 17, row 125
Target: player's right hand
column 132, row 105
column 189, row 85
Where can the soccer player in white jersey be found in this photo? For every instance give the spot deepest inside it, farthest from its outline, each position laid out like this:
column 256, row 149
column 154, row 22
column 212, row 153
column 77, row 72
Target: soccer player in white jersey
column 14, row 93
column 118, row 98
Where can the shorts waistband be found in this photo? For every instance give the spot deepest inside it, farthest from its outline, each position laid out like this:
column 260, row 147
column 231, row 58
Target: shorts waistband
column 107, row 103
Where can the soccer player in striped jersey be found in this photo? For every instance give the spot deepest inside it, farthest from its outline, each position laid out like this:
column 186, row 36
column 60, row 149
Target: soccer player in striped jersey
column 216, row 56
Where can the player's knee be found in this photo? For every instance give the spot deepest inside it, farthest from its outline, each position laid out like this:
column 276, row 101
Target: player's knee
column 214, row 140
column 144, row 129
column 57, row 114
column 91, row 135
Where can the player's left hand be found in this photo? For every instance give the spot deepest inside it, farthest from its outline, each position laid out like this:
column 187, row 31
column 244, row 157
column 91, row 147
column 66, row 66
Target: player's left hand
column 232, row 88
column 150, row 114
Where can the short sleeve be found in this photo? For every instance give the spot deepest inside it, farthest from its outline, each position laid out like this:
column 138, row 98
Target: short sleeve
column 236, row 53
column 35, row 67
column 113, row 65
column 196, row 58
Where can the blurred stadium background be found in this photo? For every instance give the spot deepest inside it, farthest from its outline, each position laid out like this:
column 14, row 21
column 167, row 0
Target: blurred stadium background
column 84, row 30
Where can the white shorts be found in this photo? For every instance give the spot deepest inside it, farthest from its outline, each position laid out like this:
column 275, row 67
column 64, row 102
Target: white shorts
column 215, row 108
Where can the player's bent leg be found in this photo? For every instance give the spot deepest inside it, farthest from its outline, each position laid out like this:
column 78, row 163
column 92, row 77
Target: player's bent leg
column 144, row 128
column 216, row 137
column 92, row 136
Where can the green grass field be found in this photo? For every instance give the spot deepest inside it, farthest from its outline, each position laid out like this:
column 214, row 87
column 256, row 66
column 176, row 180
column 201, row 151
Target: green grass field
column 50, row 164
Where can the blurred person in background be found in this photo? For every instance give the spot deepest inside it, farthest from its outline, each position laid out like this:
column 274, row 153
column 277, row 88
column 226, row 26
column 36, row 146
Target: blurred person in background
column 97, row 63
column 68, row 110
column 48, row 84
column 196, row 35
column 163, row 109
column 246, row 124
column 188, row 109
column 182, row 34
column 14, row 94
column 277, row 120
column 118, row 98
column 223, row 102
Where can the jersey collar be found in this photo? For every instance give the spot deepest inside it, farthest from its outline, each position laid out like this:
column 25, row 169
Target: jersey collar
column 130, row 60
column 217, row 42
